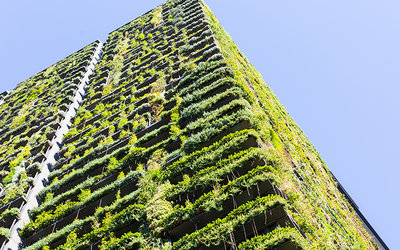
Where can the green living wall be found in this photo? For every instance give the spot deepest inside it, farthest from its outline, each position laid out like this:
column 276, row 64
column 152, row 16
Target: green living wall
column 179, row 144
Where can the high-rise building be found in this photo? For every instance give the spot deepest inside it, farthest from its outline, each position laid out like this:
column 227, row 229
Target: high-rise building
column 164, row 136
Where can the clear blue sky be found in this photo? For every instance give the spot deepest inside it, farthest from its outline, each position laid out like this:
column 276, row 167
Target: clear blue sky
column 335, row 66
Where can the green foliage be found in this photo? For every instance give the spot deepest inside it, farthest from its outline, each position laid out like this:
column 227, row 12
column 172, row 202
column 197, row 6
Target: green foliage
column 215, row 128
column 214, row 174
column 213, row 200
column 175, row 128
column 102, row 162
column 86, row 197
column 267, row 152
column 63, row 233
column 153, row 134
column 156, row 18
column 197, row 109
column 14, row 192
column 12, row 212
column 127, row 241
column 83, row 159
column 141, row 36
column 157, row 208
column 17, row 121
column 201, row 93
column 99, row 108
column 69, row 151
column 5, row 232
column 85, row 193
column 156, row 160
column 201, row 71
column 274, row 239
column 217, row 232
column 73, row 131
column 122, row 122
column 210, row 155
column 209, row 118
column 323, row 224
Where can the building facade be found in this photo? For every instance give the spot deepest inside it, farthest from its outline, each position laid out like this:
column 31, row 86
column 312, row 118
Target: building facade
column 164, row 136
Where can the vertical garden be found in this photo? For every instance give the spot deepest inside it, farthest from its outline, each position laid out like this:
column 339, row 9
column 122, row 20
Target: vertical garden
column 177, row 144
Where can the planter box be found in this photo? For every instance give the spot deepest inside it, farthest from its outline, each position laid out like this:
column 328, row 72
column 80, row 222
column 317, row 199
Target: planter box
column 216, row 106
column 69, row 219
column 174, row 145
column 155, row 140
column 96, row 96
column 240, row 171
column 8, row 222
column 142, row 92
column 153, row 127
column 41, row 148
column 276, row 217
column 88, row 122
column 72, row 184
column 88, row 210
column 38, row 235
column 92, row 105
column 249, row 143
column 85, row 229
column 3, row 241
column 119, row 145
column 82, row 213
column 169, row 105
column 238, row 127
column 131, row 228
column 50, row 136
column 39, row 158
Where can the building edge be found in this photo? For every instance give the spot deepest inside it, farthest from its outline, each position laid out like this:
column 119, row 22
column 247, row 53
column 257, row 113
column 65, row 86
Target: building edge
column 367, row 226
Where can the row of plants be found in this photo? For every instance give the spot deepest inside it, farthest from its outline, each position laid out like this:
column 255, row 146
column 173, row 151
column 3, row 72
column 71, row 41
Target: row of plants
column 214, row 200
column 216, row 129
column 70, row 166
column 106, row 219
column 74, row 152
column 86, row 197
column 105, row 222
column 207, row 177
column 49, row 80
column 207, row 156
column 108, row 164
column 7, row 218
column 197, row 74
column 118, row 130
column 218, row 232
column 274, row 239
